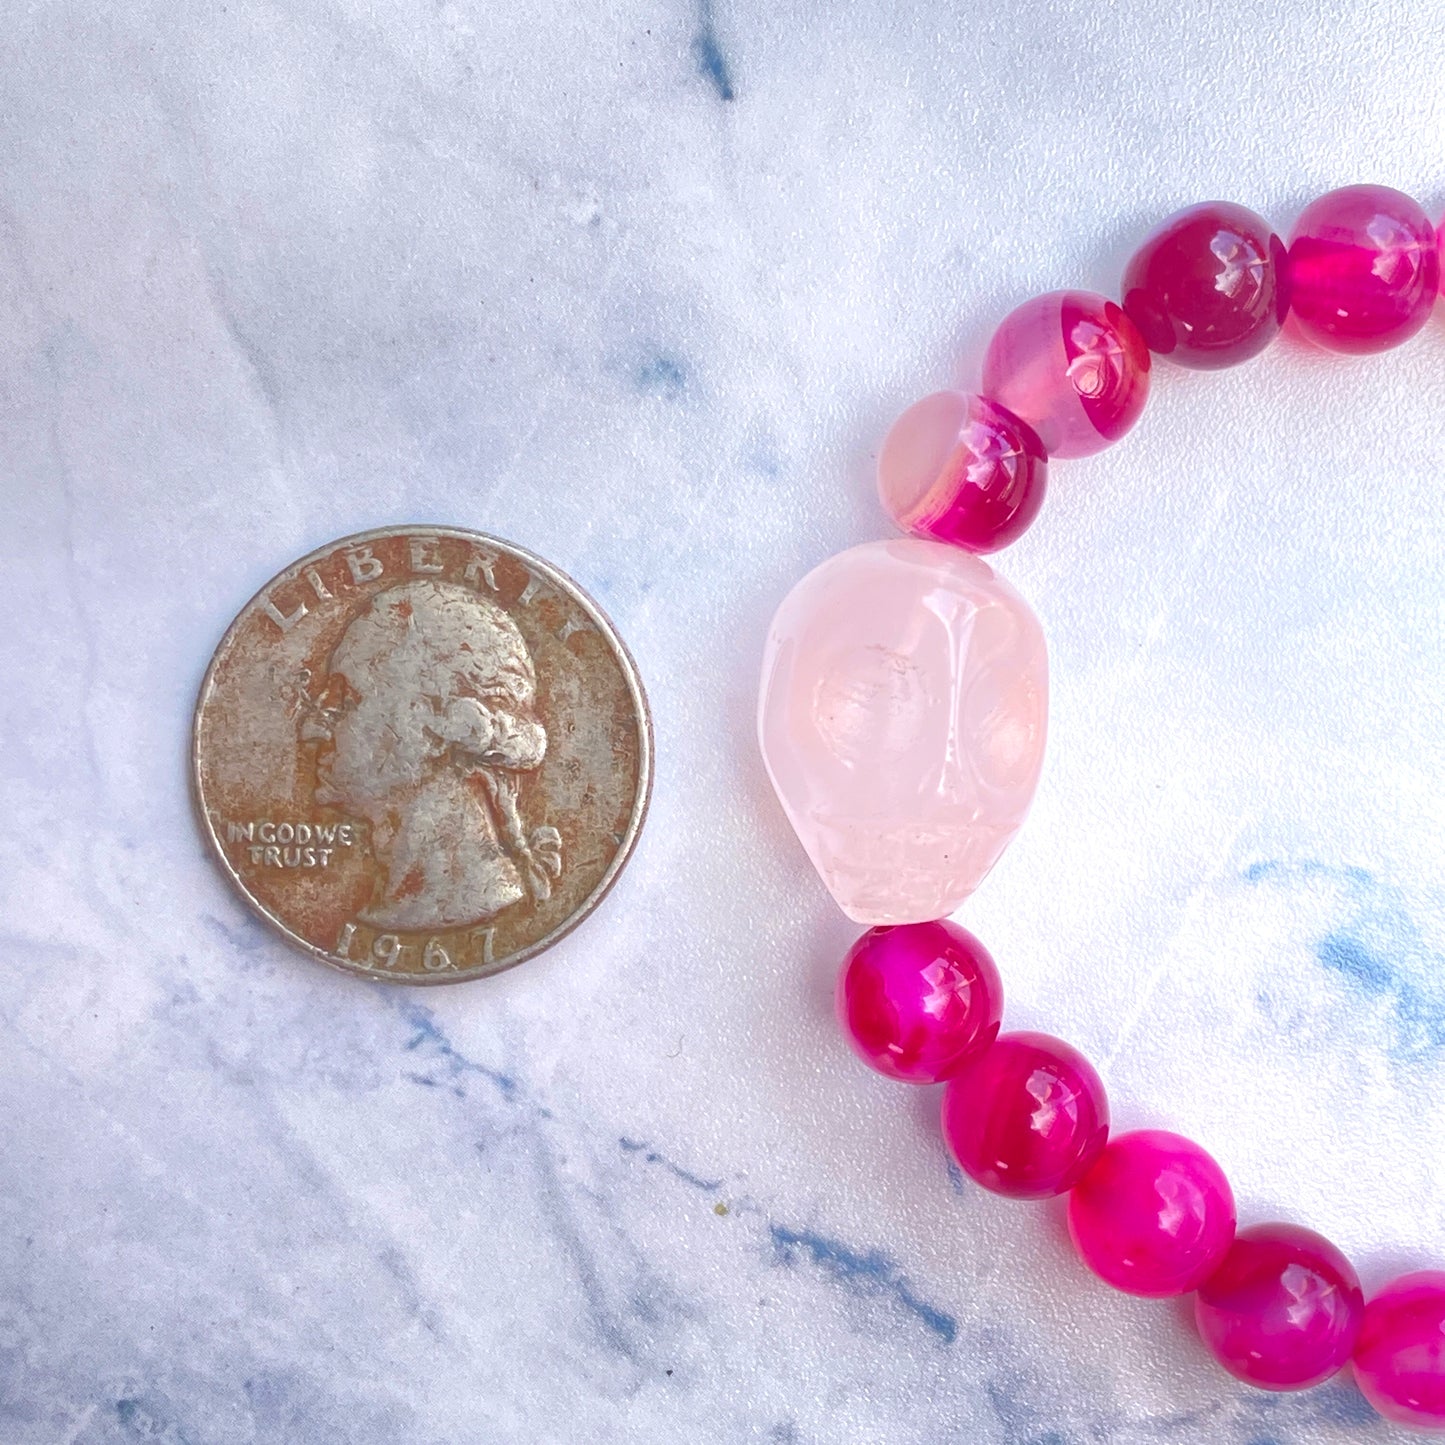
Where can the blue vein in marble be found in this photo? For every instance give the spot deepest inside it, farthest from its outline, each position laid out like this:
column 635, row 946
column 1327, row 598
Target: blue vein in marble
column 1339, row 1404
column 137, row 1418
column 1266, row 1419
column 615, row 1309
column 651, row 1156
column 872, row 1273
column 452, row 1064
column 625, row 1305
column 711, row 62
column 865, row 1274
column 1378, row 948
column 664, row 375
column 245, row 935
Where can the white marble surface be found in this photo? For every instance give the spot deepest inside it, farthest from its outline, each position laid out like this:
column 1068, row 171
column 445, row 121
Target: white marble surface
column 639, row 285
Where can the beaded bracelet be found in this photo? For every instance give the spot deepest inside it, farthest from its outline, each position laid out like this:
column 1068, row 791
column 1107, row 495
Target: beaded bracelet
column 915, row 650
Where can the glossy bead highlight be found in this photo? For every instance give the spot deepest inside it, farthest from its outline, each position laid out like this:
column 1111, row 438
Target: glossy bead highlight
column 1283, row 1311
column 1154, row 1216
column 1026, row 1118
column 1072, row 366
column 1400, row 1357
column 1364, row 266
column 1209, row 286
column 917, row 1000
column 962, row 469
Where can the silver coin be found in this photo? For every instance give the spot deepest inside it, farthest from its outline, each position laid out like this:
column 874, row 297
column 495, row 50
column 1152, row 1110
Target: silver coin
column 423, row 754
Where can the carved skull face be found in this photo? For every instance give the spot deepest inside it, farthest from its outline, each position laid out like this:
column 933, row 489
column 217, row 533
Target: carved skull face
column 902, row 720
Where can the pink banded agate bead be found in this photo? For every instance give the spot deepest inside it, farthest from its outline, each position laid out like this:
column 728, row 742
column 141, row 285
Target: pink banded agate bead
column 1364, row 267
column 1026, row 1118
column 1154, row 1216
column 1400, row 1357
column 1072, row 366
column 963, row 469
column 917, row 1000
column 1209, row 287
column 1283, row 1311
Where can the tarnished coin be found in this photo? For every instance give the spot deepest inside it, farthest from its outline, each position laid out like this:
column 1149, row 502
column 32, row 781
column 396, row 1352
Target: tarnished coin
column 422, row 753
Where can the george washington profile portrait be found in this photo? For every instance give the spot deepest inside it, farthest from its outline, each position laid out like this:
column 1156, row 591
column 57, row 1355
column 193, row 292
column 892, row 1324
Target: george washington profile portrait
column 426, row 728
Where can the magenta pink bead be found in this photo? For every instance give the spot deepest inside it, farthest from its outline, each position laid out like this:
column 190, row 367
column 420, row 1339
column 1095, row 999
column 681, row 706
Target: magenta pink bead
column 1072, row 366
column 1209, row 286
column 1364, row 268
column 962, row 469
column 1026, row 1118
column 918, row 999
column 1283, row 1311
column 1400, row 1357
column 1154, row 1216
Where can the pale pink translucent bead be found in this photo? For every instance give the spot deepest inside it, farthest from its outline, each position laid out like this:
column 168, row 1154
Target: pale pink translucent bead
column 1154, row 1216
column 902, row 717
column 1073, row 367
column 1400, row 1355
column 962, row 469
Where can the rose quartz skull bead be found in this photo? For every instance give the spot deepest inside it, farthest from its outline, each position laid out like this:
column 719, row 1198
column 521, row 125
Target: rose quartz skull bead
column 901, row 718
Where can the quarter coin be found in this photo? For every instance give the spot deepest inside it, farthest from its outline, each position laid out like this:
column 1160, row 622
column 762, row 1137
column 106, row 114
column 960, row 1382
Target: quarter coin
column 422, row 754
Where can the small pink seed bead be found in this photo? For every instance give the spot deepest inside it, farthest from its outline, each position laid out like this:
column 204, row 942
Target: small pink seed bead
column 1027, row 1117
column 1073, row 367
column 916, row 1000
column 1364, row 267
column 1283, row 1311
column 1400, row 1357
column 962, row 469
column 1154, row 1216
